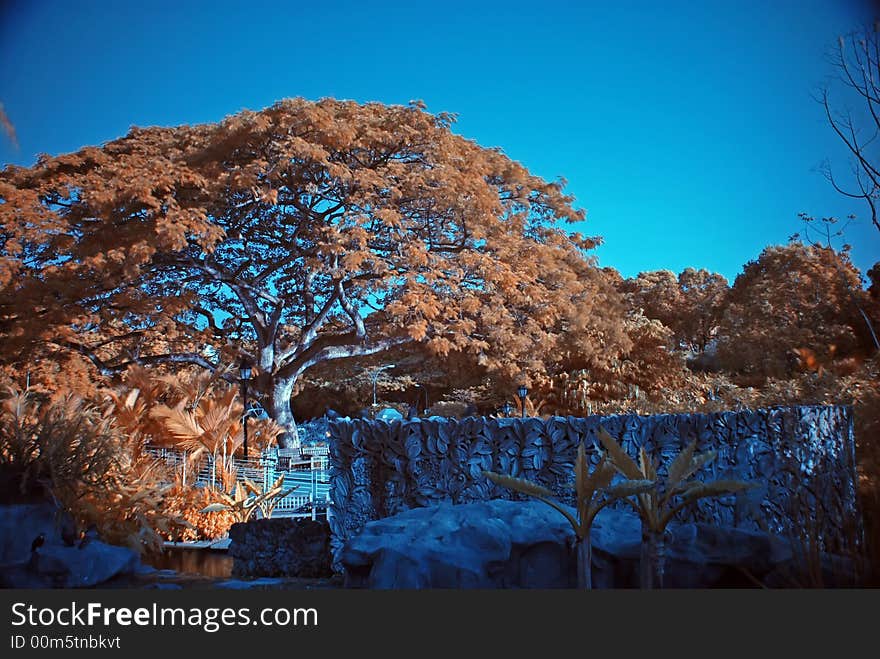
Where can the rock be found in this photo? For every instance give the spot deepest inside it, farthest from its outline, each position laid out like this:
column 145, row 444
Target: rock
column 280, row 547
column 54, row 563
column 20, row 524
column 509, row 544
column 58, row 566
column 94, row 564
column 488, row 544
column 697, row 555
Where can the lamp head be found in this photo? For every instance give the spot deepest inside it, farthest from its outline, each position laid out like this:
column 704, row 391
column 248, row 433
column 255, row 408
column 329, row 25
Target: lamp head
column 245, row 369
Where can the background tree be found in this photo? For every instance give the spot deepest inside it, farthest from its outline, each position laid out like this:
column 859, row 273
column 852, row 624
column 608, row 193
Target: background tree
column 689, row 304
column 304, row 233
column 874, row 280
column 656, row 293
column 874, row 293
column 792, row 297
column 821, row 234
column 703, row 297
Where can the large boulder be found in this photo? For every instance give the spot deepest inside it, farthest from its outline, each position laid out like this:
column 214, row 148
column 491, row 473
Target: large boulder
column 509, row 544
column 280, row 547
column 57, row 559
column 488, row 544
column 84, row 567
column 697, row 555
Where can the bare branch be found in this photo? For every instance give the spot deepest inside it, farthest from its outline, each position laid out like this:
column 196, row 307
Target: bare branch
column 108, row 369
column 860, row 72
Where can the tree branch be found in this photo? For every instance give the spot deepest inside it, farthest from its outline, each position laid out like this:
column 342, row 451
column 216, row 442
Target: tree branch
column 340, row 346
column 111, row 369
column 352, row 312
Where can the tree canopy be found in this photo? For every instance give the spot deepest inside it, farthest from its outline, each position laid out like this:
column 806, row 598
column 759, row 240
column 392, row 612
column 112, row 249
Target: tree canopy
column 306, row 232
column 790, row 298
column 690, row 303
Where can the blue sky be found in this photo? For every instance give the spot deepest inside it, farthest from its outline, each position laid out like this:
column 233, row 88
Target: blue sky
column 686, row 129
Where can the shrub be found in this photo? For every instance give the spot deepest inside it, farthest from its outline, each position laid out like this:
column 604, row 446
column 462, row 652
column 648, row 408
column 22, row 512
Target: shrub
column 72, row 452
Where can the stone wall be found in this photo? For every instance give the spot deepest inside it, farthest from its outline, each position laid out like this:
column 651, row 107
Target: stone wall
column 280, row 547
column 802, row 458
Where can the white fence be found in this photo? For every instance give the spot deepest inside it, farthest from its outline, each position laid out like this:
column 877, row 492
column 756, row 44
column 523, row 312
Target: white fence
column 308, row 475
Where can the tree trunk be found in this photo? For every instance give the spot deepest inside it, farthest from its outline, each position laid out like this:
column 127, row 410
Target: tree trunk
column 584, row 563
column 653, row 559
column 281, row 412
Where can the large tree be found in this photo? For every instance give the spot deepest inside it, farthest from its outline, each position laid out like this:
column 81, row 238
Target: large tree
column 307, row 232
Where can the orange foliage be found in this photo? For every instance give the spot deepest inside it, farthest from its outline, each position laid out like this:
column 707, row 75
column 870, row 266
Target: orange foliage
column 92, row 457
column 689, row 304
column 792, row 297
column 196, row 412
column 187, row 502
column 73, row 452
column 271, row 233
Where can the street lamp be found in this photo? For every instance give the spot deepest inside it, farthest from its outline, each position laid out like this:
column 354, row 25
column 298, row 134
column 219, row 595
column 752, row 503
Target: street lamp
column 418, row 388
column 374, row 373
column 244, row 371
column 522, row 392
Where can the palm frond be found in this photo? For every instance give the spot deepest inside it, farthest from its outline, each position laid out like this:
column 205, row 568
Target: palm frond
column 630, row 488
column 619, row 458
column 681, row 464
column 180, row 422
column 581, row 477
column 520, row 485
column 646, row 465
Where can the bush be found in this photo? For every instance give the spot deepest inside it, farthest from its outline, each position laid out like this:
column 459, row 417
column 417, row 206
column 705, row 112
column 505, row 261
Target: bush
column 72, row 452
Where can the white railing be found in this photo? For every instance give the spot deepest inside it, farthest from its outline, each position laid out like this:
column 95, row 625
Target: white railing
column 311, row 457
column 310, row 477
column 298, row 505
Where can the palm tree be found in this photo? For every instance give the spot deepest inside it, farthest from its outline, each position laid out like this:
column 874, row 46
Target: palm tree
column 593, row 491
column 657, row 506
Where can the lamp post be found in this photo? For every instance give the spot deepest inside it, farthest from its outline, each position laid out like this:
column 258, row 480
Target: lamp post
column 522, row 392
column 244, row 371
column 374, row 373
column 418, row 398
